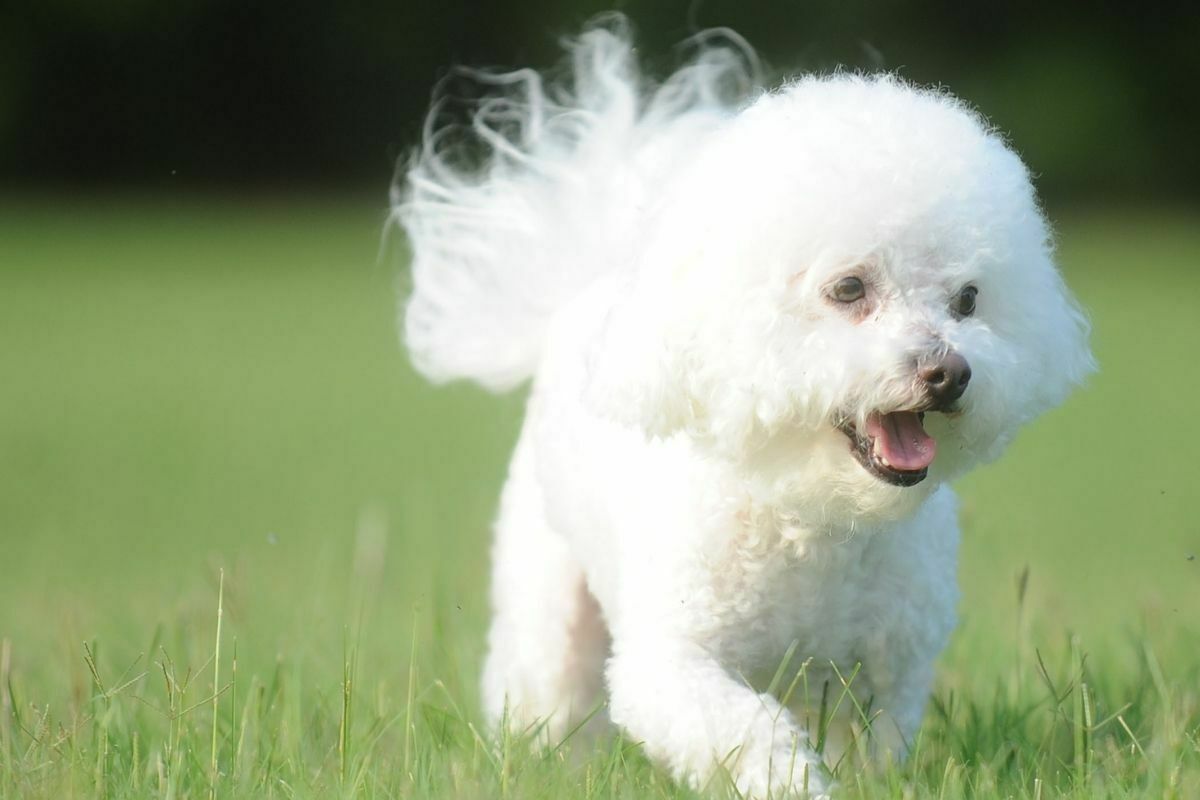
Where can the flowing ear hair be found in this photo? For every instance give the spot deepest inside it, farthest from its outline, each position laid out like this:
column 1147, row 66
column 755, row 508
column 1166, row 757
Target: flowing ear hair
column 528, row 188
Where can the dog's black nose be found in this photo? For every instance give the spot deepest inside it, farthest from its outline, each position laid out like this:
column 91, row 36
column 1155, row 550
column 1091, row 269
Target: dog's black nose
column 946, row 380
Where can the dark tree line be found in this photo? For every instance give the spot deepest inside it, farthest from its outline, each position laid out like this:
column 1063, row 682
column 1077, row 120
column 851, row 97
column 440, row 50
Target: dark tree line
column 229, row 93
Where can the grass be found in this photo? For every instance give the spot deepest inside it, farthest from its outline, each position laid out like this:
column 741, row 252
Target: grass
column 243, row 549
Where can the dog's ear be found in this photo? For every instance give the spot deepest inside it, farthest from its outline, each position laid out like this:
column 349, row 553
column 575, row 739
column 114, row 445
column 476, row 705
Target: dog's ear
column 673, row 353
column 636, row 365
column 1052, row 335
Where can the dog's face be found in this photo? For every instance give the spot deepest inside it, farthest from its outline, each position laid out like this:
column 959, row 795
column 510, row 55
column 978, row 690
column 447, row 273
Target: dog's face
column 851, row 293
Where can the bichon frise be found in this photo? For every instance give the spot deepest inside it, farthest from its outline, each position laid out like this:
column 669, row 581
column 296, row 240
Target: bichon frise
column 765, row 331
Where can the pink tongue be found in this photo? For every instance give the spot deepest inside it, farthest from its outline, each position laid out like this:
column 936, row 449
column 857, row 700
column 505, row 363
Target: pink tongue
column 901, row 439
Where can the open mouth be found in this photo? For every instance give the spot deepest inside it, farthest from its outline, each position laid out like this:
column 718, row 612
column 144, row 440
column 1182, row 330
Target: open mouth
column 893, row 447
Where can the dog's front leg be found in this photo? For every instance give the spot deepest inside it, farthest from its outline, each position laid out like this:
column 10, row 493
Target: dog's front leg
column 691, row 714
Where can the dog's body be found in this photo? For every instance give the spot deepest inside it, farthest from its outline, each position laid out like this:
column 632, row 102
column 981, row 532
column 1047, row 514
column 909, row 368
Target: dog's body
column 703, row 591
column 737, row 319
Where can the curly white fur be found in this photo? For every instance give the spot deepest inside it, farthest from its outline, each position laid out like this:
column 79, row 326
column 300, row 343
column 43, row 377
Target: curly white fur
column 682, row 507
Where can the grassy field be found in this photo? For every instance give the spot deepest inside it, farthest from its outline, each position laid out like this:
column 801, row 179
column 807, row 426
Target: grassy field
column 243, row 549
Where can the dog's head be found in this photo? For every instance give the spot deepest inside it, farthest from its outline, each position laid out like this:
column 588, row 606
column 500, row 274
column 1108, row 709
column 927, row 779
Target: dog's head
column 851, row 291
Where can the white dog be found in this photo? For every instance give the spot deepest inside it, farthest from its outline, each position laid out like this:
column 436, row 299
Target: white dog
column 764, row 331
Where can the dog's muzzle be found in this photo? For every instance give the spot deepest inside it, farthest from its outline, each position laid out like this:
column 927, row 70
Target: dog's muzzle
column 893, row 445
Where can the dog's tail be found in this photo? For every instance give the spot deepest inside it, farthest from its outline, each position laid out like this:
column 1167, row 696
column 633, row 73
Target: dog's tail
column 542, row 190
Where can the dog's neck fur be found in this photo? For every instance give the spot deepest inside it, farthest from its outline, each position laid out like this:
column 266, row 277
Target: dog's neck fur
column 769, row 526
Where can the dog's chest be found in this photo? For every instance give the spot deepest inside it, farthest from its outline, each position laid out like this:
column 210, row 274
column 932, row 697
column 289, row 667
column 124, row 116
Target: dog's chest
column 827, row 598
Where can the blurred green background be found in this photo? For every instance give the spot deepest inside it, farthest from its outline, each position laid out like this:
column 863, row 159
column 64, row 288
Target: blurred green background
column 200, row 369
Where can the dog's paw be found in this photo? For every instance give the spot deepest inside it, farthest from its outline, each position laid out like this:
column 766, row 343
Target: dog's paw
column 787, row 769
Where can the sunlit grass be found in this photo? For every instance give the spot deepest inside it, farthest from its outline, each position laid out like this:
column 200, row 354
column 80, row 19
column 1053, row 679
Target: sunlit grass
column 205, row 408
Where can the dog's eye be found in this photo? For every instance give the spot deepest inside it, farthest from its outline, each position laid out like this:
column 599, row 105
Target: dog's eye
column 964, row 303
column 847, row 290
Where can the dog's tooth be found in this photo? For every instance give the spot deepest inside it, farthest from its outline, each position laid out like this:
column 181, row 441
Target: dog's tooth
column 884, row 461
